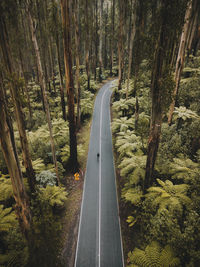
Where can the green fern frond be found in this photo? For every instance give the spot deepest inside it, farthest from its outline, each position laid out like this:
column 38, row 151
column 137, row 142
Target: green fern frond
column 153, row 256
column 6, row 191
column 133, row 195
column 7, row 219
column 54, row 195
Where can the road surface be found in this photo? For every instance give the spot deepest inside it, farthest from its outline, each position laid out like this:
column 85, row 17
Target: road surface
column 99, row 238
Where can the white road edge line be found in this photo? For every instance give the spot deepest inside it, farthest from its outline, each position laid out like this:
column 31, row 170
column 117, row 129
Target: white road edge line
column 117, row 196
column 101, row 115
column 83, row 197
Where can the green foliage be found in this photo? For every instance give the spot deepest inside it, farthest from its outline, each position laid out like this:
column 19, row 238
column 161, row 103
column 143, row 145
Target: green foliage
column 53, row 195
column 6, row 191
column 153, row 256
column 184, row 169
column 7, row 219
column 122, row 124
column 46, row 178
column 133, row 194
column 133, row 167
column 126, row 143
column 169, row 196
column 184, row 114
column 125, row 106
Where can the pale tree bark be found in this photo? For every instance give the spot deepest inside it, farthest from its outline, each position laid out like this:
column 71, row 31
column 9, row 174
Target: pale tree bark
column 69, row 82
column 25, row 86
column 44, row 89
column 100, row 39
column 87, row 43
column 22, row 204
column 180, row 60
column 112, row 38
column 62, row 95
column 14, row 89
column 131, row 47
column 120, row 44
column 77, row 44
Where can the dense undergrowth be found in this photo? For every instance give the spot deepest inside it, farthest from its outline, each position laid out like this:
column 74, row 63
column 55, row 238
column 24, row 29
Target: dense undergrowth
column 48, row 205
column 164, row 222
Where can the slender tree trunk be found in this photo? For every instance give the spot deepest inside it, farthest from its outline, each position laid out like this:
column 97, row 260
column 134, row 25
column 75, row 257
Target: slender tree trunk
column 62, row 96
column 100, row 39
column 180, row 60
column 77, row 41
column 69, row 82
column 87, row 42
column 14, row 89
column 120, row 44
column 112, row 38
column 131, row 48
column 161, row 63
column 96, row 39
column 22, row 205
column 26, row 87
column 136, row 113
column 43, row 86
column 105, row 39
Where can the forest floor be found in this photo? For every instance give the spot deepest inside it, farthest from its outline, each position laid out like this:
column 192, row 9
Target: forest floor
column 73, row 205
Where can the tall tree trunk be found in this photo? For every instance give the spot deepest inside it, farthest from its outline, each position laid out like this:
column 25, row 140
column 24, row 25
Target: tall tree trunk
column 96, row 39
column 100, row 39
column 77, row 41
column 131, row 48
column 69, row 82
column 180, row 60
column 87, row 42
column 14, row 89
column 22, row 204
column 26, row 87
column 105, row 39
column 43, row 86
column 160, row 69
column 112, row 38
column 62, row 96
column 120, row 44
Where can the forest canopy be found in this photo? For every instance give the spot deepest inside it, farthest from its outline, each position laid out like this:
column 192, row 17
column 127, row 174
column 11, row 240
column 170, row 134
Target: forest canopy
column 53, row 56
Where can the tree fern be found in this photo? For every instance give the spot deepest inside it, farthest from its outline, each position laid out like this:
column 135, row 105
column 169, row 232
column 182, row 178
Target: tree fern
column 7, row 219
column 184, row 169
column 153, row 256
column 6, row 191
column 184, row 114
column 133, row 194
column 128, row 142
column 133, row 168
column 54, row 195
column 122, row 125
column 170, row 196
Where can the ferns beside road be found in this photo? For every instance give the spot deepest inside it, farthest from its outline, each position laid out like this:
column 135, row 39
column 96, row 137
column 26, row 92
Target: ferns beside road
column 167, row 217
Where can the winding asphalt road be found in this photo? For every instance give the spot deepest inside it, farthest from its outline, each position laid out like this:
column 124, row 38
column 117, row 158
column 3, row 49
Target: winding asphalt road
column 99, row 240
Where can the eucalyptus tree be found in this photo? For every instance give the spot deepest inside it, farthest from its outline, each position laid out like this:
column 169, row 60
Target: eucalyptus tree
column 112, row 38
column 55, row 27
column 11, row 158
column 15, row 89
column 180, row 58
column 77, row 51
column 100, row 39
column 121, row 6
column 66, row 22
column 42, row 83
column 166, row 27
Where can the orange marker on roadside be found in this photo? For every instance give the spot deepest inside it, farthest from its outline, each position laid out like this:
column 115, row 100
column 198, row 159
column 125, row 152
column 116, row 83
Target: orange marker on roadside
column 76, row 176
